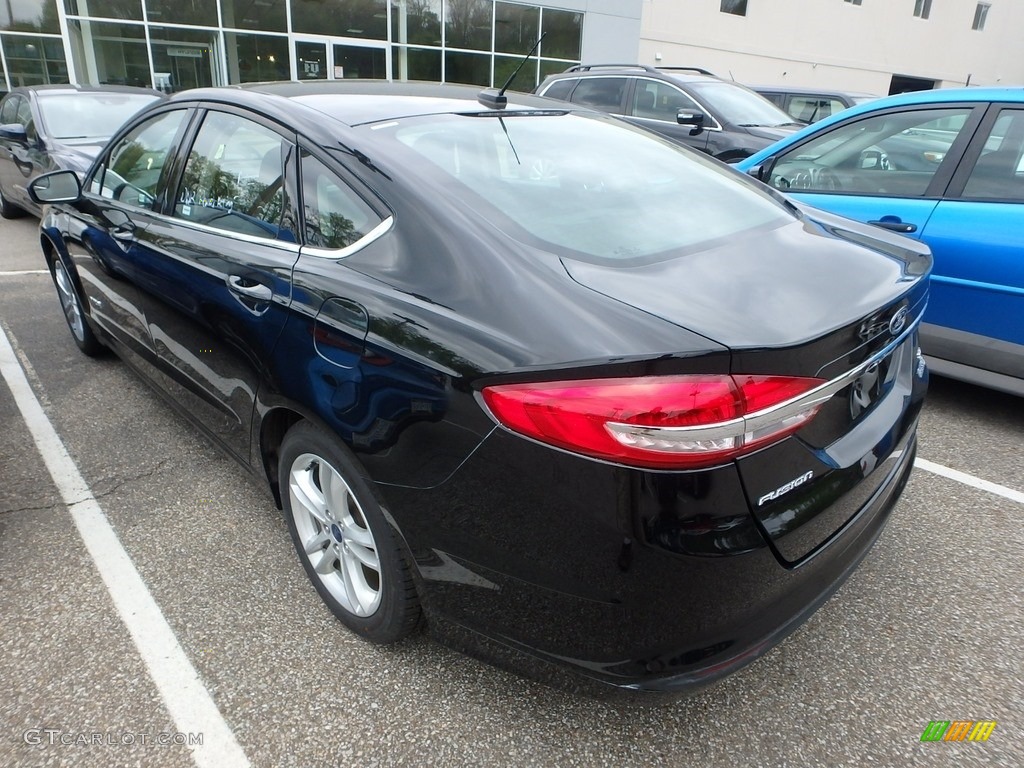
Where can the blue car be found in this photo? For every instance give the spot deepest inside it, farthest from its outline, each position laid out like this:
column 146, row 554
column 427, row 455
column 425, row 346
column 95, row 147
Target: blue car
column 945, row 167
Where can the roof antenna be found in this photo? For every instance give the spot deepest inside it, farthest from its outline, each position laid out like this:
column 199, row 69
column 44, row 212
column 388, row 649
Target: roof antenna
column 495, row 99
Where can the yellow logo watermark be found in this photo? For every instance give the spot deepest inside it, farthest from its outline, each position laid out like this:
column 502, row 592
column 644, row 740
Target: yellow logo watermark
column 958, row 730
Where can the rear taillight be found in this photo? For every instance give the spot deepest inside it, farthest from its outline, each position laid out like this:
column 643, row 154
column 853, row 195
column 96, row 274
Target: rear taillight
column 658, row 422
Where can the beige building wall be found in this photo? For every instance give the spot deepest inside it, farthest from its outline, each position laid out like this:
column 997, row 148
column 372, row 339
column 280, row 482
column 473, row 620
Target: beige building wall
column 833, row 43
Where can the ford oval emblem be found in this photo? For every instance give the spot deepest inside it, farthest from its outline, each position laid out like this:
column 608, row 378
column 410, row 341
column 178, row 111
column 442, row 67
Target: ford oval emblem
column 898, row 320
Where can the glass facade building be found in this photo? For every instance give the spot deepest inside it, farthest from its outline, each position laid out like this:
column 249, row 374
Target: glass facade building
column 179, row 44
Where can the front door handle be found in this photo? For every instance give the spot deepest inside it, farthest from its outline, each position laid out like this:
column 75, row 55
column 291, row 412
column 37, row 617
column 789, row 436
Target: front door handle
column 894, row 224
column 250, row 288
column 123, row 234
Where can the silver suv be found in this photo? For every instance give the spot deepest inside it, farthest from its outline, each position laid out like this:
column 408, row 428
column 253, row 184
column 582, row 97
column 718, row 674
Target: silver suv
column 687, row 104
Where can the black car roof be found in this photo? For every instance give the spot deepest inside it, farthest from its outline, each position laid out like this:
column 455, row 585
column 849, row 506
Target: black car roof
column 355, row 102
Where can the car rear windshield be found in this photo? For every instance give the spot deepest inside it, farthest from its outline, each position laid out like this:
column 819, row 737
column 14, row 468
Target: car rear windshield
column 589, row 184
column 89, row 115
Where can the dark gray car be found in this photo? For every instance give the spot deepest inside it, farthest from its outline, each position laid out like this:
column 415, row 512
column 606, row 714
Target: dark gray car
column 57, row 127
column 686, row 104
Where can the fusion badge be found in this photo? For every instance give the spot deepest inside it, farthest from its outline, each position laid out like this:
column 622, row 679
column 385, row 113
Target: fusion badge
column 784, row 489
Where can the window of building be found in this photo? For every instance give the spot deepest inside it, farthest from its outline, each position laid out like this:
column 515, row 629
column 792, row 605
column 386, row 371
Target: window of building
column 563, row 32
column 922, row 8
column 469, row 68
column 467, row 24
column 261, row 16
column 735, row 7
column 980, row 14
column 365, row 19
column 416, row 63
column 183, row 58
column 256, row 58
column 416, row 22
column 109, row 54
column 234, row 178
column 34, row 60
column 130, row 10
column 30, row 16
column 201, row 12
column 516, row 28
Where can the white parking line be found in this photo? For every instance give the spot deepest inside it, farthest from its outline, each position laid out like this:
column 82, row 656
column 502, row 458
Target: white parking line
column 16, row 272
column 971, row 480
column 187, row 700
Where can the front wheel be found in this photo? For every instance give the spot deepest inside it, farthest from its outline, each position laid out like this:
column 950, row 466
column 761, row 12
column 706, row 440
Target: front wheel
column 72, row 306
column 349, row 550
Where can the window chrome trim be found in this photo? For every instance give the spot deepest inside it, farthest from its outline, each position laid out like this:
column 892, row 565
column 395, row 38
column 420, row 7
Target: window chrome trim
column 283, row 245
column 780, row 412
column 340, row 253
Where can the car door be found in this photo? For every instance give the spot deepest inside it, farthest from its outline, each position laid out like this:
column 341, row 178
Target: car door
column 102, row 235
column 887, row 168
column 216, row 276
column 976, row 310
column 654, row 105
column 8, row 116
column 24, row 159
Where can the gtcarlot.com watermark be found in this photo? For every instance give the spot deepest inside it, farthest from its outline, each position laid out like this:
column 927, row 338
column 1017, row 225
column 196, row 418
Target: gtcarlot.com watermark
column 57, row 737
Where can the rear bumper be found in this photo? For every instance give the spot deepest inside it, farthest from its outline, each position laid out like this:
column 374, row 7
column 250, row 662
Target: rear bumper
column 588, row 587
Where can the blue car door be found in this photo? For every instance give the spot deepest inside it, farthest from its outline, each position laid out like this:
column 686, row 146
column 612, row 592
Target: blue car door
column 977, row 236
column 887, row 168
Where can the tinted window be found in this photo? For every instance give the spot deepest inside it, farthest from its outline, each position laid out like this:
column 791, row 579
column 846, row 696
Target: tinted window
column 999, row 172
column 135, row 163
column 659, row 101
column 737, row 105
column 895, row 153
column 601, row 92
column 560, row 89
column 234, row 178
column 583, row 183
column 335, row 216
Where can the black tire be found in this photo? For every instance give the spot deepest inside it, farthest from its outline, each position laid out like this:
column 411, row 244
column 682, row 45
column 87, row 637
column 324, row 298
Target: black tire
column 8, row 209
column 71, row 304
column 339, row 532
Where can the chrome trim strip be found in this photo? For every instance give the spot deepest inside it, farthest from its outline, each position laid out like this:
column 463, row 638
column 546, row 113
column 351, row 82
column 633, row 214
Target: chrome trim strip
column 775, row 414
column 340, row 253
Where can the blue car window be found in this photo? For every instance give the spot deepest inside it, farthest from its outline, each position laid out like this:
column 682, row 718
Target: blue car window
column 999, row 172
column 893, row 153
column 234, row 178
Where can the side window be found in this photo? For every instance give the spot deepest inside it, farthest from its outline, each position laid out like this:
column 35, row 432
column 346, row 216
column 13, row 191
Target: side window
column 131, row 173
column 9, row 110
column 600, row 92
column 25, row 118
column 778, row 99
column 810, row 109
column 660, row 101
column 895, row 153
column 335, row 216
column 560, row 89
column 999, row 172
column 234, row 178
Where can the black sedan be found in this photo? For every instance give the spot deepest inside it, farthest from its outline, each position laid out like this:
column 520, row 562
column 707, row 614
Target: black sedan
column 592, row 405
column 49, row 127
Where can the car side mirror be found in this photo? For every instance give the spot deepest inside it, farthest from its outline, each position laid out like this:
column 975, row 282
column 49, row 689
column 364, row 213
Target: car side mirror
column 763, row 170
column 690, row 117
column 56, row 187
column 14, row 132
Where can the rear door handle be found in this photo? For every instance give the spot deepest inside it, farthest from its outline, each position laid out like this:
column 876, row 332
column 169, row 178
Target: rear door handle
column 250, row 288
column 894, row 224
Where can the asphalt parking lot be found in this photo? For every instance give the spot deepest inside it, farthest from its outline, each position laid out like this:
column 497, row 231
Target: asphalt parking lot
column 930, row 627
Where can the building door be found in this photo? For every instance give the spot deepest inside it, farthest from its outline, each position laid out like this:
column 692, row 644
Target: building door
column 340, row 59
